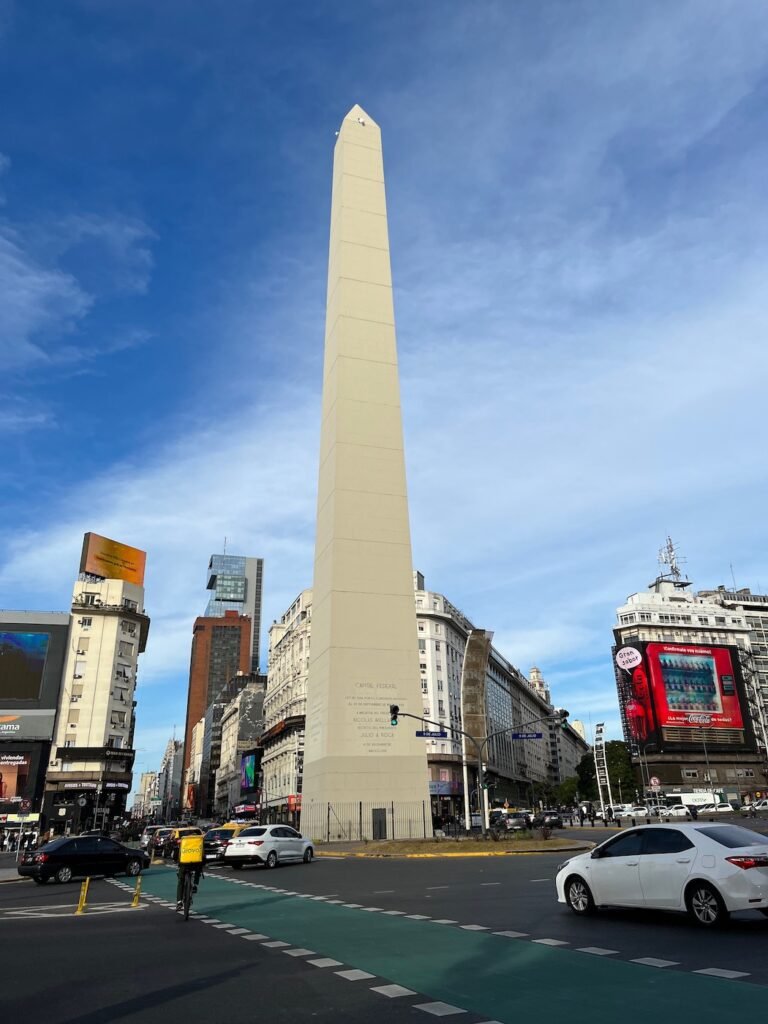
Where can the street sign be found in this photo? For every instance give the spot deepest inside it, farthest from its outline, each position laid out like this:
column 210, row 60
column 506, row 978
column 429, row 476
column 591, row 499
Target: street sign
column 431, row 734
column 25, row 806
column 526, row 735
column 655, row 783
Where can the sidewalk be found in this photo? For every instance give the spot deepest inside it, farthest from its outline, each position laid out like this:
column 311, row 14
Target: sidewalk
column 428, row 848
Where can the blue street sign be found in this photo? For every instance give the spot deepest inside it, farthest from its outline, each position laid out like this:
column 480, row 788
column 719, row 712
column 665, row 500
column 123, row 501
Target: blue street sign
column 432, row 734
column 526, row 735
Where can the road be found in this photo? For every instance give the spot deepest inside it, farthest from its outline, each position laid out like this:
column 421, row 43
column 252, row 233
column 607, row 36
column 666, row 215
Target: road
column 480, row 939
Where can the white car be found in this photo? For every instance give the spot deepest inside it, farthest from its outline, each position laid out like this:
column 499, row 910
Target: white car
column 676, row 811
column 269, row 845
column 718, row 808
column 706, row 869
column 758, row 805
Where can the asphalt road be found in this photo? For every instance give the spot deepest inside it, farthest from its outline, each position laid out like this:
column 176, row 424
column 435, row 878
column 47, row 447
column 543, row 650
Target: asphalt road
column 477, row 938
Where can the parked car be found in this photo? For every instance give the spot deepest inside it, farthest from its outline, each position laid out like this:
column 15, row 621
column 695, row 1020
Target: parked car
column 171, row 842
column 66, row 858
column 269, row 845
column 216, row 839
column 512, row 821
column 719, row 808
column 708, row 870
column 548, row 819
column 758, row 805
column 676, row 811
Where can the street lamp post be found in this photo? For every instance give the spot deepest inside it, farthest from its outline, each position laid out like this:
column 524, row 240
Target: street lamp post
column 480, row 747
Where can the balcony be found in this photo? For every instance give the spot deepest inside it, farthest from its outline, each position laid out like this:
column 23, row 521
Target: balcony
column 81, row 606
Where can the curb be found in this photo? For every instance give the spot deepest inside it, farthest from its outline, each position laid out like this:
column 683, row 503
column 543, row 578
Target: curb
column 439, row 856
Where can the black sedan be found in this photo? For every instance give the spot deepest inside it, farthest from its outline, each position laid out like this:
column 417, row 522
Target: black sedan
column 65, row 858
column 548, row 819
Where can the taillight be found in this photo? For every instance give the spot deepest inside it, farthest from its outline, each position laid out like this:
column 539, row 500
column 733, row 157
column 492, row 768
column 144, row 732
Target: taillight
column 41, row 858
column 255, row 842
column 748, row 862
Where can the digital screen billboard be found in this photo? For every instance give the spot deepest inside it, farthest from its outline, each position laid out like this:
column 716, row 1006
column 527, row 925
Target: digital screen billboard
column 247, row 772
column 678, row 696
column 22, row 662
column 14, row 772
column 112, row 560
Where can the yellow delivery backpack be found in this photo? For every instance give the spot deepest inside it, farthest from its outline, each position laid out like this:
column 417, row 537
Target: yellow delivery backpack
column 191, row 850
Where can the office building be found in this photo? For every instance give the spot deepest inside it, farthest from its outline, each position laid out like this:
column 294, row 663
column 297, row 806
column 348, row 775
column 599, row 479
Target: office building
column 169, row 781
column 236, row 583
column 242, row 723
column 221, row 647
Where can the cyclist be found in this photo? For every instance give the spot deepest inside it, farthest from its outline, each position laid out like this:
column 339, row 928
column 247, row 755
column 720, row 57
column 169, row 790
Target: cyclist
column 190, row 860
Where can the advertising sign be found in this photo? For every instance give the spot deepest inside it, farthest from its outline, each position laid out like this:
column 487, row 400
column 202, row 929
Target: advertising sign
column 247, row 772
column 22, row 661
column 14, row 772
column 678, row 696
column 26, row 725
column 112, row 560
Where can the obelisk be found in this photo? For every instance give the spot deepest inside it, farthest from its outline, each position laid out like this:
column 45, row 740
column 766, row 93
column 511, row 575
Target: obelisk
column 364, row 651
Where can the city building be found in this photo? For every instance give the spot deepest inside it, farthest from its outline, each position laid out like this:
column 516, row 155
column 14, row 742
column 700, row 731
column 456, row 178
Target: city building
column 33, row 652
column 205, row 797
column 169, row 781
column 690, row 690
column 242, row 723
column 146, row 801
column 91, row 759
column 285, row 709
column 520, row 771
column 221, row 647
column 236, row 583
column 193, row 769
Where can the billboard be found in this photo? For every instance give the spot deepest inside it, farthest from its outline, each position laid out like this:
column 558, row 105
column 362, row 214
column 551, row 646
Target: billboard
column 112, row 560
column 14, row 773
column 22, row 662
column 247, row 772
column 681, row 696
column 26, row 725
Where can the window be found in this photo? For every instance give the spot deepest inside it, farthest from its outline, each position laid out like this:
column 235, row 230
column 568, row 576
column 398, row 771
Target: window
column 734, row 836
column 703, row 620
column 665, row 840
column 627, row 619
column 445, row 775
column 690, row 773
column 421, row 627
column 86, row 623
column 685, row 618
column 86, row 845
column 645, row 616
column 82, row 644
column 719, row 620
column 626, row 845
column 125, row 649
column 423, row 666
column 131, row 606
column 424, row 686
column 438, row 628
column 437, row 646
column 74, row 717
column 441, row 707
column 77, row 689
column 422, row 644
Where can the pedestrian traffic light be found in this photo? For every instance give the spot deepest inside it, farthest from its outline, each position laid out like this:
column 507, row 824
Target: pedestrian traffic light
column 394, row 711
column 563, row 718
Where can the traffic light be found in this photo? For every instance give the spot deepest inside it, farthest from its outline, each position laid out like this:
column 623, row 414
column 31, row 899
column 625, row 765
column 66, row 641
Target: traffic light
column 394, row 711
column 563, row 718
column 484, row 778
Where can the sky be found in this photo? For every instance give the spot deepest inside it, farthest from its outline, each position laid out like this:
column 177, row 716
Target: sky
column 578, row 226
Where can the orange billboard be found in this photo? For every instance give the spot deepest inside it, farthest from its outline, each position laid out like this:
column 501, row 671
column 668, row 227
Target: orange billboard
column 112, row 560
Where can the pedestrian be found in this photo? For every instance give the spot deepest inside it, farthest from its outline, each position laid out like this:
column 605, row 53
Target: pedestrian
column 609, row 813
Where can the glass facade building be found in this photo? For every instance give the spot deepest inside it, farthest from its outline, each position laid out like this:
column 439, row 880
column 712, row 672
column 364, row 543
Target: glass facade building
column 235, row 583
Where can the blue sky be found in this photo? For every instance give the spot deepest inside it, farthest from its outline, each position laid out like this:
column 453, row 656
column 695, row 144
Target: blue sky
column 578, row 226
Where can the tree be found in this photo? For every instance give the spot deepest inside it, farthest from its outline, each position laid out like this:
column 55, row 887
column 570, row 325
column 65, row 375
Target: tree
column 620, row 773
column 567, row 792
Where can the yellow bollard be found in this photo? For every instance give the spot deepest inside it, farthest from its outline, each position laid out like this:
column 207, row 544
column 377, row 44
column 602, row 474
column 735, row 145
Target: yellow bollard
column 83, row 896
column 136, row 893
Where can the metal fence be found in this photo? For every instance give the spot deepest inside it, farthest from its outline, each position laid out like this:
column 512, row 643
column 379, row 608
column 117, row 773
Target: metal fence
column 355, row 820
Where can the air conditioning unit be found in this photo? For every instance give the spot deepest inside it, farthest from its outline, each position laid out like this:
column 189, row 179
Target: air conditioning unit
column 77, row 675
column 80, row 652
column 98, row 602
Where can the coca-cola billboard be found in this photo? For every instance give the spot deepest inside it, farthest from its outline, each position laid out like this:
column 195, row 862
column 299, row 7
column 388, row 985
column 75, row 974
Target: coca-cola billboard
column 682, row 696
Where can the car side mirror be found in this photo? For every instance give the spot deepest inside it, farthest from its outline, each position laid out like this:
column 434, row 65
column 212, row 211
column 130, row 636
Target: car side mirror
column 596, row 853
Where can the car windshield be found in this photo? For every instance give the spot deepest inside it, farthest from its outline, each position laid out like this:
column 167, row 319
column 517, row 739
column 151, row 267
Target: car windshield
column 253, row 832
column 56, row 844
column 220, row 833
column 734, row 836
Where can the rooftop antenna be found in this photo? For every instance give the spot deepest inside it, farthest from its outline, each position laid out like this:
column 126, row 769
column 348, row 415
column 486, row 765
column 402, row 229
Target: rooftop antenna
column 669, row 559
column 225, row 545
column 733, row 577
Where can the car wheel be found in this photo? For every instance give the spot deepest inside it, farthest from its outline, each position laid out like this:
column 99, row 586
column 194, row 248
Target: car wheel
column 133, row 867
column 578, row 896
column 64, row 874
column 705, row 905
column 308, row 855
column 271, row 861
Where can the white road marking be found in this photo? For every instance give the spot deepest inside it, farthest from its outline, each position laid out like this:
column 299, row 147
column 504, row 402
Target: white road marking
column 443, row 920
column 299, row 952
column 352, row 906
column 474, row 927
column 430, row 887
column 417, row 917
column 372, row 910
column 490, row 883
column 512, row 935
column 254, row 936
column 225, row 925
column 393, row 991
column 238, row 931
column 275, row 944
column 597, row 951
column 325, row 961
column 334, row 903
column 541, row 879
column 439, row 1009
column 651, row 961
column 551, row 942
column 380, row 892
column 393, row 913
column 355, row 975
column 719, row 972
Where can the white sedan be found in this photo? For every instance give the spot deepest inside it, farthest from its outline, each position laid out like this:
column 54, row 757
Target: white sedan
column 708, row 870
column 676, row 811
column 269, row 845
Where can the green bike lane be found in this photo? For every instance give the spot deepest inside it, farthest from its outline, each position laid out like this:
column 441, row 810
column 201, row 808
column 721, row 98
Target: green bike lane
column 489, row 974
